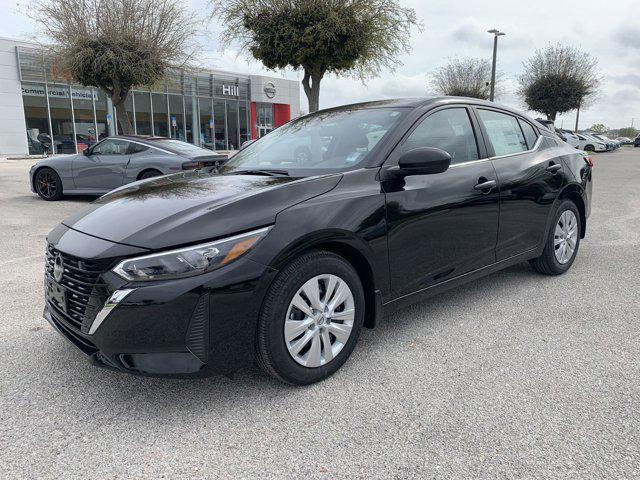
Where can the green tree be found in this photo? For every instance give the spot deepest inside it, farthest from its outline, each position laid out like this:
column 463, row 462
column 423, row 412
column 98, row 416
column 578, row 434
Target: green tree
column 557, row 79
column 466, row 77
column 115, row 45
column 599, row 128
column 351, row 37
column 628, row 132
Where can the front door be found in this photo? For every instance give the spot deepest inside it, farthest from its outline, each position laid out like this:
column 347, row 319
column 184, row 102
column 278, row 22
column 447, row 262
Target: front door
column 103, row 167
column 530, row 177
column 443, row 225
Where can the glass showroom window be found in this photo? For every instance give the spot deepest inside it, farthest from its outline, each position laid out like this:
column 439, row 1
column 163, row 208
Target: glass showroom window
column 245, row 133
column 142, row 102
column 61, row 120
column 102, row 112
column 220, row 128
column 191, row 123
column 176, row 114
column 160, row 115
column 206, row 123
column 36, row 114
column 83, row 117
column 232, row 124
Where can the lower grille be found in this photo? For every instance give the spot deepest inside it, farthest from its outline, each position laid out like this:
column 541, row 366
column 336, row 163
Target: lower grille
column 81, row 281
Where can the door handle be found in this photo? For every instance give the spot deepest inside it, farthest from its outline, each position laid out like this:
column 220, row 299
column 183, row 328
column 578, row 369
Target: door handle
column 485, row 184
column 554, row 167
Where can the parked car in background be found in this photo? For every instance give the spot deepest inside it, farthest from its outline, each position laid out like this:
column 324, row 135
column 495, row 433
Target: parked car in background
column 589, row 143
column 116, row 161
column 569, row 137
column 624, row 140
column 636, row 141
column 609, row 142
column 286, row 259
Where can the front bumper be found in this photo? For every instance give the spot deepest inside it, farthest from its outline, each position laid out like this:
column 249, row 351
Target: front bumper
column 194, row 326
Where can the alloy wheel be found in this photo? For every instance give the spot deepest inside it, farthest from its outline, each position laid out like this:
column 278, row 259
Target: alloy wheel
column 565, row 237
column 319, row 320
column 47, row 184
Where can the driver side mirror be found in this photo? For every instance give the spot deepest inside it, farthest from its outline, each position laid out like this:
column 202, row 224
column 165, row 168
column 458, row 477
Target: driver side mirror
column 424, row 161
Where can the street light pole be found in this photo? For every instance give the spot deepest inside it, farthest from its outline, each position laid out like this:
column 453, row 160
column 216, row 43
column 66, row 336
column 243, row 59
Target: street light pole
column 496, row 33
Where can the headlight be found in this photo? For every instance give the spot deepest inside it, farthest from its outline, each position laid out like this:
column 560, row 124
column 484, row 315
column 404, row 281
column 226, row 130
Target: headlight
column 186, row 262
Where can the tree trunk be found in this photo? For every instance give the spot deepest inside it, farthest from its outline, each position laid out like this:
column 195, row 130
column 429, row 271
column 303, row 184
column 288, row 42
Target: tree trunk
column 311, row 85
column 577, row 117
column 118, row 98
column 124, row 122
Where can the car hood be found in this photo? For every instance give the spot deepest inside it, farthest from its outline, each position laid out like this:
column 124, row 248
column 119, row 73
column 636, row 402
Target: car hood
column 191, row 207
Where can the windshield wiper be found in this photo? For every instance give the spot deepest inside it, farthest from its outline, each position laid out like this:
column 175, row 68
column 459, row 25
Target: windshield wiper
column 267, row 172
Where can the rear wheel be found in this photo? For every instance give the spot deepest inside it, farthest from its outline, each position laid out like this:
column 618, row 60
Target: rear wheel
column 311, row 319
column 48, row 184
column 149, row 174
column 562, row 241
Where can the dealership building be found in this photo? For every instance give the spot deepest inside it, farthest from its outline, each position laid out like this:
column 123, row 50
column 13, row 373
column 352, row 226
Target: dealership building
column 213, row 109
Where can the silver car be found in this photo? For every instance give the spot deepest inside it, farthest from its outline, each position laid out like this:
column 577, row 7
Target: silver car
column 116, row 161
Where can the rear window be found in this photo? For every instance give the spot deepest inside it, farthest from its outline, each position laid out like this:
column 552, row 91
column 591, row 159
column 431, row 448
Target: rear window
column 180, row 147
column 504, row 132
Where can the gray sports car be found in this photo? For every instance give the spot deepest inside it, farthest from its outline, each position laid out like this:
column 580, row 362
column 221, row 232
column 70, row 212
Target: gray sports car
column 116, row 161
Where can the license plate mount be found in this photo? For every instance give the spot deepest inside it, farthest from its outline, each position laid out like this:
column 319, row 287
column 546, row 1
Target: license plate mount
column 56, row 294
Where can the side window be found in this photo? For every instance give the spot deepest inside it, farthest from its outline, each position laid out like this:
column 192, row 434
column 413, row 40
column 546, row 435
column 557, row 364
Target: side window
column 449, row 130
column 503, row 131
column 111, row 147
column 529, row 133
column 137, row 148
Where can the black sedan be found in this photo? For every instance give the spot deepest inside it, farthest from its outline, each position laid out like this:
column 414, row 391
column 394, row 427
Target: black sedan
column 284, row 259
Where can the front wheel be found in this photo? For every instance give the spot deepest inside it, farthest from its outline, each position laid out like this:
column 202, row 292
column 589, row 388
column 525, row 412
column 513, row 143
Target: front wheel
column 48, row 184
column 562, row 241
column 311, row 319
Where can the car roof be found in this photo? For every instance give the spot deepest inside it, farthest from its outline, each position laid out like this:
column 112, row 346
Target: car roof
column 151, row 141
column 420, row 102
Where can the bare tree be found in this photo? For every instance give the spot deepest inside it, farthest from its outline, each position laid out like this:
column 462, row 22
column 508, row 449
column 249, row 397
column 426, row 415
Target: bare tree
column 350, row 37
column 466, row 77
column 557, row 79
column 115, row 45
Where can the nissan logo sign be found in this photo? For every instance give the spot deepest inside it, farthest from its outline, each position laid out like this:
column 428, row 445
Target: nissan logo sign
column 58, row 268
column 270, row 90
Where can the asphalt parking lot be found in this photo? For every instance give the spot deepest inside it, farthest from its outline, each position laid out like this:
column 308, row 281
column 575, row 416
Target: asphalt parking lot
column 514, row 375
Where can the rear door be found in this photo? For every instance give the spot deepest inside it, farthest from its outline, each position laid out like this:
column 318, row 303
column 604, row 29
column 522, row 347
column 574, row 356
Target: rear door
column 443, row 225
column 104, row 166
column 530, row 177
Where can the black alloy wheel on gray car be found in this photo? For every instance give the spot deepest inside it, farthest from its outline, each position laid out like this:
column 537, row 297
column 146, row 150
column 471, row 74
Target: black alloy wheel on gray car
column 562, row 241
column 311, row 319
column 48, row 184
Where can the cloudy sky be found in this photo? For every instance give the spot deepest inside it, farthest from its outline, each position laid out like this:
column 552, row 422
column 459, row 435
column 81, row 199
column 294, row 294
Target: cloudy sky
column 458, row 28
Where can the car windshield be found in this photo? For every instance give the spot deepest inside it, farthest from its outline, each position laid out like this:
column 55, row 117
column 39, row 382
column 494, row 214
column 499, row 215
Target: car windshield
column 325, row 142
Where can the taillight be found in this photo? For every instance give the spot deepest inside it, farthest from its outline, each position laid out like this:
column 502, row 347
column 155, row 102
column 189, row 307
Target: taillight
column 588, row 160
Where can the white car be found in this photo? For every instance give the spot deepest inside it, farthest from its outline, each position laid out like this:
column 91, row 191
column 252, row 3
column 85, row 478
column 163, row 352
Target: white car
column 570, row 137
column 593, row 144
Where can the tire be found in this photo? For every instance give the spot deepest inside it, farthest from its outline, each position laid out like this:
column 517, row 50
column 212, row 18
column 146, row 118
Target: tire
column 273, row 346
column 48, row 185
column 589, row 148
column 552, row 261
column 149, row 174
